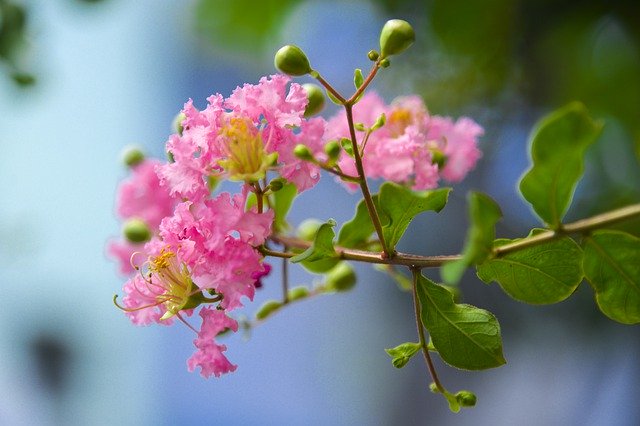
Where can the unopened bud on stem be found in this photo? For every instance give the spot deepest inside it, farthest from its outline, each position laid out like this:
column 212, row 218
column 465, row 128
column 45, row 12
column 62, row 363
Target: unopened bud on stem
column 315, row 97
column 396, row 36
column 132, row 156
column 291, row 60
column 136, row 231
column 303, row 152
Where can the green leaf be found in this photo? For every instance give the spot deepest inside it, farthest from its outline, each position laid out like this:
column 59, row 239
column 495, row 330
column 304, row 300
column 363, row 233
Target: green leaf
column 356, row 232
column 358, row 78
column 401, row 354
column 322, row 246
column 484, row 213
column 612, row 267
column 399, row 205
column 347, row 146
column 541, row 274
column 333, row 98
column 465, row 336
column 558, row 144
column 282, row 201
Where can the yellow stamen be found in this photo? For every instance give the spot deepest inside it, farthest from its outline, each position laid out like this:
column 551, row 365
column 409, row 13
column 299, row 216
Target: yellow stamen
column 246, row 158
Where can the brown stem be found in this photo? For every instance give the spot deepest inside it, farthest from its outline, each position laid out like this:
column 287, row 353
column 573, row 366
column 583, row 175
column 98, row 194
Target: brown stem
column 365, row 83
column 578, row 227
column 412, row 260
column 364, row 188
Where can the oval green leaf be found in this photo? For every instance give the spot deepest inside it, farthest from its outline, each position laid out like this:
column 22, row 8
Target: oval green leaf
column 558, row 144
column 612, row 267
column 465, row 336
column 541, row 274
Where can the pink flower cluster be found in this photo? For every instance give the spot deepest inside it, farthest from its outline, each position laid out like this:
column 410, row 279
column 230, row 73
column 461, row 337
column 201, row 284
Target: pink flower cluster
column 412, row 147
column 204, row 247
column 203, row 253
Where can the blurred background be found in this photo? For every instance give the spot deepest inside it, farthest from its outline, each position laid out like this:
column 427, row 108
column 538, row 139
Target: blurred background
column 79, row 80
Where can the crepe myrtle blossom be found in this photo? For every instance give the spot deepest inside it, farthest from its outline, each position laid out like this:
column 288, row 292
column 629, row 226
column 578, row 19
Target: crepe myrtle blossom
column 204, row 253
column 242, row 137
column 412, row 147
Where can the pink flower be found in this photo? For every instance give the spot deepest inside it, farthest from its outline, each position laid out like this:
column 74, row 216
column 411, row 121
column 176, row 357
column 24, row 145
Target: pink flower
column 240, row 138
column 458, row 142
column 142, row 196
column 209, row 356
column 222, row 236
column 408, row 148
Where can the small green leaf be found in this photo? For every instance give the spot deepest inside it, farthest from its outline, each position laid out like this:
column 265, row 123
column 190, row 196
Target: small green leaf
column 356, row 232
column 358, row 78
column 267, row 309
column 333, row 98
column 401, row 354
column 322, row 246
column 612, row 267
column 465, row 336
column 282, row 201
column 399, row 205
column 484, row 213
column 558, row 144
column 540, row 274
column 347, row 146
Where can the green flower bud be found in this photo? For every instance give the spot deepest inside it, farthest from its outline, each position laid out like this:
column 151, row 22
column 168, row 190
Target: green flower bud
column 385, row 63
column 373, row 55
column 438, row 157
column 333, row 150
column 132, row 155
column 303, row 152
column 276, row 184
column 315, row 97
column 177, row 123
column 396, row 36
column 298, row 293
column 136, row 231
column 291, row 60
column 341, row 278
column 466, row 398
column 269, row 307
column 308, row 229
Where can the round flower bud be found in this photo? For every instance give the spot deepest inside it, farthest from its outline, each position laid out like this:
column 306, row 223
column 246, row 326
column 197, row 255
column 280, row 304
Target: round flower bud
column 373, row 55
column 303, row 152
column 136, row 231
column 396, row 36
column 276, row 184
column 438, row 158
column 177, row 123
column 385, row 63
column 315, row 97
column 341, row 278
column 466, row 398
column 291, row 60
column 132, row 156
column 308, row 228
column 333, row 150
